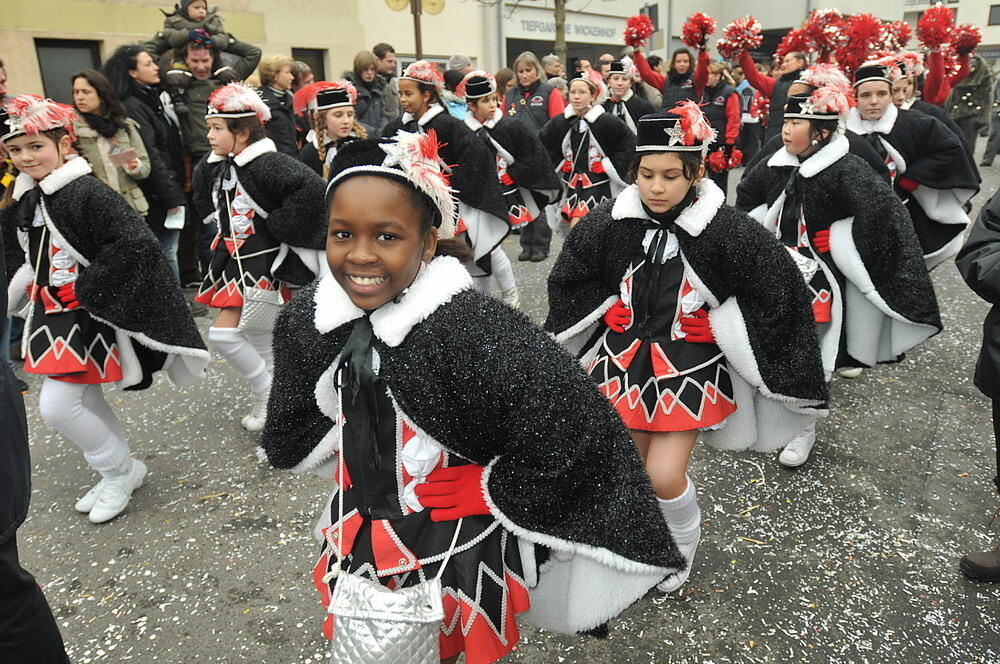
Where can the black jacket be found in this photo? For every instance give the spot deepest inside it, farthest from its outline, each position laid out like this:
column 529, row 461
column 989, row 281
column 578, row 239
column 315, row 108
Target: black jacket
column 124, row 279
column 635, row 108
column 562, row 471
column 979, row 264
column 163, row 187
column 939, row 113
column 612, row 136
column 15, row 464
column 281, row 127
column 872, row 243
column 760, row 309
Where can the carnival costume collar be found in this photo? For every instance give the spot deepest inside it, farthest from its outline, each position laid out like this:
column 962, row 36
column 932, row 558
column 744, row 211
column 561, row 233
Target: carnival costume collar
column 692, row 220
column 829, row 154
column 590, row 116
column 74, row 168
column 432, row 112
column 883, row 125
column 250, row 152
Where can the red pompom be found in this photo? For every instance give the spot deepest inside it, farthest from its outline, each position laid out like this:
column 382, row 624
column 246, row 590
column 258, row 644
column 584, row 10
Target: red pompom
column 740, row 36
column 934, row 27
column 864, row 34
column 952, row 65
column 717, row 161
column 965, row 38
column 825, row 28
column 735, row 158
column 697, row 29
column 795, row 40
column 897, row 35
column 638, row 28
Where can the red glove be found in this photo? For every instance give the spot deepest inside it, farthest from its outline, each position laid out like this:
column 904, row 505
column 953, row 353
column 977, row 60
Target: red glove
column 452, row 493
column 907, row 184
column 696, row 328
column 566, row 166
column 821, row 241
column 506, row 179
column 597, row 167
column 618, row 317
column 67, row 295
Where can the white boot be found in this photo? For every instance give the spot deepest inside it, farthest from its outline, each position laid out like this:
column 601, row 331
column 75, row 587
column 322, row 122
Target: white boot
column 797, row 452
column 117, row 491
column 512, row 298
column 258, row 415
column 85, row 504
column 851, row 372
column 684, row 518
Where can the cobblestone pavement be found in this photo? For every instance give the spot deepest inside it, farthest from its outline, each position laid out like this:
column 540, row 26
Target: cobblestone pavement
column 851, row 558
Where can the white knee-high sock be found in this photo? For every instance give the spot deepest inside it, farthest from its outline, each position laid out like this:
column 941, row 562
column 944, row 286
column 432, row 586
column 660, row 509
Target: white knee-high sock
column 261, row 342
column 503, row 271
column 94, row 401
column 683, row 516
column 243, row 357
column 64, row 409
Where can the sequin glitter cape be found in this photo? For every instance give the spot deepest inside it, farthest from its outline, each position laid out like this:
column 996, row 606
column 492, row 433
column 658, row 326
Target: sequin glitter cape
column 288, row 192
column 562, row 471
column 125, row 281
column 760, row 309
column 888, row 295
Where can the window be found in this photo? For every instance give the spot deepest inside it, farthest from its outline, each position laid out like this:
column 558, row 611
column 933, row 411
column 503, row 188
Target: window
column 994, row 15
column 59, row 59
column 315, row 58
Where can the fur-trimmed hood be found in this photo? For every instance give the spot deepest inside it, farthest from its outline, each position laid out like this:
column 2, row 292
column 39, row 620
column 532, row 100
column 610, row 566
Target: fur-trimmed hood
column 250, row 152
column 74, row 167
column 435, row 284
column 825, row 157
column 693, row 219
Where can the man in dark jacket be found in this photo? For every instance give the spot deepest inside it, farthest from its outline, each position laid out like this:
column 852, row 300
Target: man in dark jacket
column 979, row 264
column 28, row 631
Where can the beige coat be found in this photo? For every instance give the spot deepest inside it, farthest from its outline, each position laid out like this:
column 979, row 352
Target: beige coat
column 96, row 150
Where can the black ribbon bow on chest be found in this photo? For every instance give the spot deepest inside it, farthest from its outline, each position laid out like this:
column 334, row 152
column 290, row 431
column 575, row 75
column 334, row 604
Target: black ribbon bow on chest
column 876, row 142
column 357, row 375
column 791, row 209
column 26, row 208
column 663, row 223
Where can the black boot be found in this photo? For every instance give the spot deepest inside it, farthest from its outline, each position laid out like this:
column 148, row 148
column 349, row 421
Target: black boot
column 982, row 566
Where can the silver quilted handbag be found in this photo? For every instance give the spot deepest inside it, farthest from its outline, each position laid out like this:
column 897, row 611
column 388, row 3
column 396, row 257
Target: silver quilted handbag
column 376, row 625
column 260, row 306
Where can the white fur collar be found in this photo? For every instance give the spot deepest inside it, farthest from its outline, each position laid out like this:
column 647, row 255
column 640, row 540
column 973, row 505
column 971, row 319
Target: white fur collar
column 475, row 125
column 590, row 116
column 432, row 112
column 628, row 95
column 827, row 155
column 436, row 284
column 908, row 104
column 883, row 125
column 693, row 220
column 74, row 168
column 249, row 153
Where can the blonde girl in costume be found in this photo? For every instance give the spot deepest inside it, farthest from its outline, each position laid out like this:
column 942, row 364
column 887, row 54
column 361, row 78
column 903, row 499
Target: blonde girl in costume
column 334, row 122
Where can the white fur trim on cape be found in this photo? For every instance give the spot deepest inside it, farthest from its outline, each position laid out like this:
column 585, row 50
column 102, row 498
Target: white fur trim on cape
column 432, row 112
column 590, row 116
column 874, row 332
column 74, row 168
column 946, row 252
column 759, row 424
column 250, row 152
column 883, row 125
column 17, row 290
column 694, row 219
column 944, row 206
column 435, row 285
column 486, row 231
column 581, row 586
column 573, row 338
column 733, row 339
column 828, row 155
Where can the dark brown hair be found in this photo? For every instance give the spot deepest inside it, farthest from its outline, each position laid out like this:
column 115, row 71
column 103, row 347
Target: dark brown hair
column 682, row 51
column 111, row 104
column 256, row 129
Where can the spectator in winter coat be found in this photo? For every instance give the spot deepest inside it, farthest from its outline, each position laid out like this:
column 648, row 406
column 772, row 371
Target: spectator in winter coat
column 552, row 66
column 370, row 108
column 276, row 80
column 979, row 264
column 136, row 77
column 971, row 101
column 775, row 88
column 385, row 64
column 108, row 139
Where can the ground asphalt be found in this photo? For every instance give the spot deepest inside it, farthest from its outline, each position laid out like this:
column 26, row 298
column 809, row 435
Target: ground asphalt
column 852, row 558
